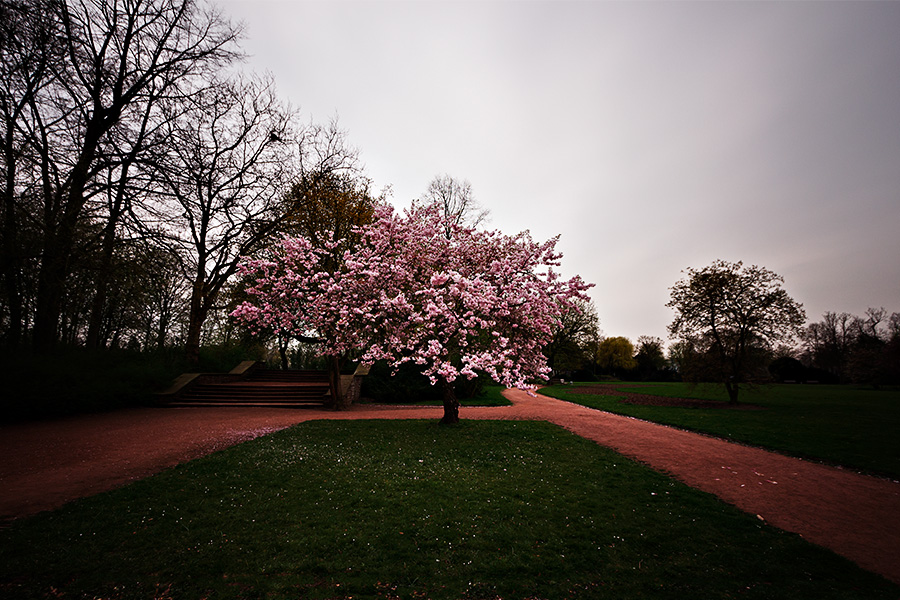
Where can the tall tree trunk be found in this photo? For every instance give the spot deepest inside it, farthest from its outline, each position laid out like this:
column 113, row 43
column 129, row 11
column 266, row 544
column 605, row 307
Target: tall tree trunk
column 192, row 343
column 117, row 207
column 12, row 261
column 195, row 323
column 451, row 404
column 162, row 328
column 50, row 291
column 98, row 304
column 60, row 233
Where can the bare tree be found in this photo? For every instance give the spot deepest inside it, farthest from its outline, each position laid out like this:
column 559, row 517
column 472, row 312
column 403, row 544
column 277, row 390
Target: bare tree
column 114, row 53
column 224, row 170
column 123, row 184
column 27, row 49
column 855, row 349
column 456, row 200
column 830, row 341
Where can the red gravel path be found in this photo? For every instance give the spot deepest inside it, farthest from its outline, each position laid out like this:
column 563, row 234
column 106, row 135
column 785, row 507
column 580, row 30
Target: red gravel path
column 48, row 464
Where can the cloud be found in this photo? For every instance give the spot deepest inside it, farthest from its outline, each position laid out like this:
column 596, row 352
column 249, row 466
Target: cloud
column 652, row 136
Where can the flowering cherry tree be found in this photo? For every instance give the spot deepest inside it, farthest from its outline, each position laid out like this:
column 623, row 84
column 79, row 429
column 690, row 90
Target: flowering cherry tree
column 453, row 299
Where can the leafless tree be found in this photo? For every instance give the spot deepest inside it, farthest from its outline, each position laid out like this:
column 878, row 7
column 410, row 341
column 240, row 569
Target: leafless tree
column 829, row 342
column 28, row 48
column 113, row 55
column 228, row 161
column 330, row 195
column 457, row 201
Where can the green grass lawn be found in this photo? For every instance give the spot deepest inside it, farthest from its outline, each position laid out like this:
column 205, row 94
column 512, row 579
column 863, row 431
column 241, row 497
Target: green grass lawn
column 410, row 509
column 850, row 426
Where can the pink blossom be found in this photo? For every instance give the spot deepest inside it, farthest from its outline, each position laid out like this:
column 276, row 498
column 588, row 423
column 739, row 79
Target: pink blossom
column 410, row 293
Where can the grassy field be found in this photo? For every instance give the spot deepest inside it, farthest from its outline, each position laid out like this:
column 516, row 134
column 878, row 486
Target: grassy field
column 844, row 425
column 374, row 509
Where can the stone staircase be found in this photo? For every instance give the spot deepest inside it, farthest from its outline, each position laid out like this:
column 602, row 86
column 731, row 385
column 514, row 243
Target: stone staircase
column 258, row 387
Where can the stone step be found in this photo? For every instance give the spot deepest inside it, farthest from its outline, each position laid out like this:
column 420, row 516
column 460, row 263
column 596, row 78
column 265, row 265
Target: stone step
column 261, row 388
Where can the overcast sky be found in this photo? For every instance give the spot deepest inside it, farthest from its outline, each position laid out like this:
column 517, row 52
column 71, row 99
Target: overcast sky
column 652, row 136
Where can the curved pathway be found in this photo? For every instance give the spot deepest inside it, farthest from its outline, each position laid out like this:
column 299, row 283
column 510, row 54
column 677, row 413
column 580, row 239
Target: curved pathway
column 48, row 464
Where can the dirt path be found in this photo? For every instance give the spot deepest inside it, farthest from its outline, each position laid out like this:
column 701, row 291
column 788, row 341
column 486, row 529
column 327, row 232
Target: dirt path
column 48, row 464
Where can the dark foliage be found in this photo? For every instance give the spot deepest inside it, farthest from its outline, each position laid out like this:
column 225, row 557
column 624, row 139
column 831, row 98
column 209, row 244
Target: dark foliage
column 409, row 386
column 73, row 380
column 852, row 349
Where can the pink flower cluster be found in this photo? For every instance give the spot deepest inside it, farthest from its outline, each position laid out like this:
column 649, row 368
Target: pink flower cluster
column 454, row 299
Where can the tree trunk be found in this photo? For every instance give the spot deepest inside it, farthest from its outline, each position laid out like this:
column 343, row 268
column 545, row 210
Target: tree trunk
column 451, row 404
column 282, row 351
column 334, row 377
column 192, row 343
column 195, row 324
column 50, row 290
column 732, row 389
column 59, row 243
column 104, row 274
column 116, row 211
column 12, row 261
column 98, row 305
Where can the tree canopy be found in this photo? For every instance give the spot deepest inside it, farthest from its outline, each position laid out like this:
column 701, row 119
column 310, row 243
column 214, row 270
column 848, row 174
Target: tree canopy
column 616, row 354
column 728, row 317
column 130, row 145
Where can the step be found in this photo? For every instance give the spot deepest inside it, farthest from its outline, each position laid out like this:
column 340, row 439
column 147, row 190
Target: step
column 261, row 388
column 295, row 404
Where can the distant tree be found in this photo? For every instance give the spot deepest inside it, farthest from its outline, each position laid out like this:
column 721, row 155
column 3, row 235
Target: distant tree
column 829, row 342
column 616, row 355
column 893, row 326
column 650, row 358
column 573, row 334
column 330, row 197
column 167, row 292
column 866, row 362
column 787, row 369
column 893, row 346
column 847, row 348
column 732, row 317
column 679, row 355
column 456, row 201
